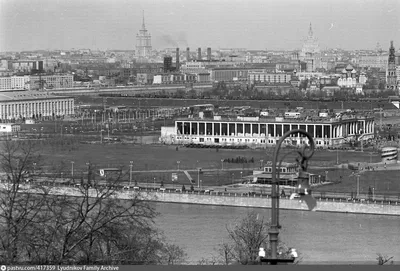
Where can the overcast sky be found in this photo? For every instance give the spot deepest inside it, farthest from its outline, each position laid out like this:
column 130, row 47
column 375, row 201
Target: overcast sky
column 252, row 24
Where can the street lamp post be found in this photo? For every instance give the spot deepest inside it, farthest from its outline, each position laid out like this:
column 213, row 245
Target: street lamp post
column 274, row 228
column 222, row 164
column 130, row 172
column 72, row 169
column 88, row 171
column 34, row 168
column 261, row 163
column 337, row 156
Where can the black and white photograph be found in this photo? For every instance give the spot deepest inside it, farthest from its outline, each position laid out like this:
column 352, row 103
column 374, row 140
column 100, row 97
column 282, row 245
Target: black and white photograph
column 199, row 133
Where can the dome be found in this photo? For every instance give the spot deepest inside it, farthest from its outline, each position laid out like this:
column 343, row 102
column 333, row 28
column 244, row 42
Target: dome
column 353, row 71
column 349, row 68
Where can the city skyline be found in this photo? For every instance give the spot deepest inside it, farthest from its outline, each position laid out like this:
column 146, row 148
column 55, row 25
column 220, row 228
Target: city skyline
column 254, row 24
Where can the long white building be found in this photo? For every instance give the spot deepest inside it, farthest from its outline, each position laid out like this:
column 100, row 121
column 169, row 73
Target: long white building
column 258, row 132
column 29, row 82
column 33, row 105
column 14, row 82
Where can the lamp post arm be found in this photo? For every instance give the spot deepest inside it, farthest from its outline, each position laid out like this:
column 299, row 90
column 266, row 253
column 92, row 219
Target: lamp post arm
column 305, row 156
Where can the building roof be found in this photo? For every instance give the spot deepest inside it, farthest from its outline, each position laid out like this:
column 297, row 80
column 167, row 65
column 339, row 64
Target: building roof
column 349, row 67
column 27, row 95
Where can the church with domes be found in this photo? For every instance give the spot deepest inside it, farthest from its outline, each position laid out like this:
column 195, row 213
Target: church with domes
column 350, row 79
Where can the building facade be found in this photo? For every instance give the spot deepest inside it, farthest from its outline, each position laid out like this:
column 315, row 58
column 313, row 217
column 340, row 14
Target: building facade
column 230, row 74
column 267, row 77
column 61, row 81
column 14, row 83
column 35, row 82
column 33, row 105
column 373, row 61
column 261, row 133
column 143, row 43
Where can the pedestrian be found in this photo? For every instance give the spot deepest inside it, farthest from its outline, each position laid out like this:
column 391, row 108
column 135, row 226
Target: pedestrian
column 261, row 254
column 293, row 253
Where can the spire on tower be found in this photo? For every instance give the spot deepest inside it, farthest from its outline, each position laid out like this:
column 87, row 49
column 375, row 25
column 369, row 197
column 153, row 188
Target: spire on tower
column 310, row 32
column 143, row 25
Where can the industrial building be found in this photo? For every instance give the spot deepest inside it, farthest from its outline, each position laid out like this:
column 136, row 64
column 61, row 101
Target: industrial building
column 259, row 132
column 33, row 105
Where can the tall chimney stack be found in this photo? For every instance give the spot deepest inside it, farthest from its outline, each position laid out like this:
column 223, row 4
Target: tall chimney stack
column 177, row 59
column 199, row 54
column 187, row 54
column 208, row 54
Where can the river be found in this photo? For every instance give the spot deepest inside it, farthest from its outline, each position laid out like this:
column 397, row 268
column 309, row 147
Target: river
column 319, row 237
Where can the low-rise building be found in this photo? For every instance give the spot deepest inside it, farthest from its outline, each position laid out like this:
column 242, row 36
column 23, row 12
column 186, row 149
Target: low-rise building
column 268, row 77
column 9, row 128
column 34, row 105
column 327, row 132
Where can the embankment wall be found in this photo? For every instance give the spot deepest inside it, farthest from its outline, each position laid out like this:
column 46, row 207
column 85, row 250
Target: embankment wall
column 263, row 202
column 377, row 208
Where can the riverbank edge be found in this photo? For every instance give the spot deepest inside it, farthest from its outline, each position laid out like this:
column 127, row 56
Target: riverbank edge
column 233, row 201
column 284, row 204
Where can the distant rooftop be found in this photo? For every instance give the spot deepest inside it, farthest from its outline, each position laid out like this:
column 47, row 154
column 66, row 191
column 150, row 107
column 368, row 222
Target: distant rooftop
column 27, row 95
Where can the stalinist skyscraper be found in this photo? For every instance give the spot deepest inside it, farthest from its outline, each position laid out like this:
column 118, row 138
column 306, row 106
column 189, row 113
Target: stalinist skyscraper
column 310, row 52
column 143, row 43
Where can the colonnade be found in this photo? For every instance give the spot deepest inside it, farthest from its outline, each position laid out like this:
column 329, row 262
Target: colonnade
column 17, row 109
column 318, row 130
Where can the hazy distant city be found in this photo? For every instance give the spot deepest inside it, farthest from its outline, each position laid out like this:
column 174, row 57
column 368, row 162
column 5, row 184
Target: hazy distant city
column 198, row 132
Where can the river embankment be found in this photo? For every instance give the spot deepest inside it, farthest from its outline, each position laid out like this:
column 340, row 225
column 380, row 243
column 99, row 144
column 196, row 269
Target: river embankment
column 239, row 200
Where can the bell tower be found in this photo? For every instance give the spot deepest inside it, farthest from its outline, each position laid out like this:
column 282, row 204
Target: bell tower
column 391, row 78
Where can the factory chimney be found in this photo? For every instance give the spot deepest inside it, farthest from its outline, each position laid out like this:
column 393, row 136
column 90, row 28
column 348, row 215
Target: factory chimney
column 177, row 59
column 208, row 54
column 187, row 54
column 199, row 54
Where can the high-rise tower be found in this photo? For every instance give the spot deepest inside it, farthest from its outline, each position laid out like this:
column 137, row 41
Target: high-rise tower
column 391, row 78
column 143, row 42
column 310, row 53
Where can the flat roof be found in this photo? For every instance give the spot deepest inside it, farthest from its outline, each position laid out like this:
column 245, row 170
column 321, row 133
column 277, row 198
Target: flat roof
column 27, row 95
column 274, row 121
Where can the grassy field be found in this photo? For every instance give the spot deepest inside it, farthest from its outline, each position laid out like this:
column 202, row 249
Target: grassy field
column 163, row 159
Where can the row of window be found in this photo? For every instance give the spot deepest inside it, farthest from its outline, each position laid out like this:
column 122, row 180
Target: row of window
column 32, row 107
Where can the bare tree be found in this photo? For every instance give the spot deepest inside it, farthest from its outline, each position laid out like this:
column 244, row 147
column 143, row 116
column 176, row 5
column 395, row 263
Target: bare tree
column 246, row 236
column 18, row 210
column 225, row 252
column 173, row 255
column 383, row 259
column 89, row 223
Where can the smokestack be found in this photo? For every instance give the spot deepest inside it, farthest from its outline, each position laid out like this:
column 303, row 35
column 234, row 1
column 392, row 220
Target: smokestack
column 177, row 59
column 199, row 54
column 187, row 54
column 208, row 54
